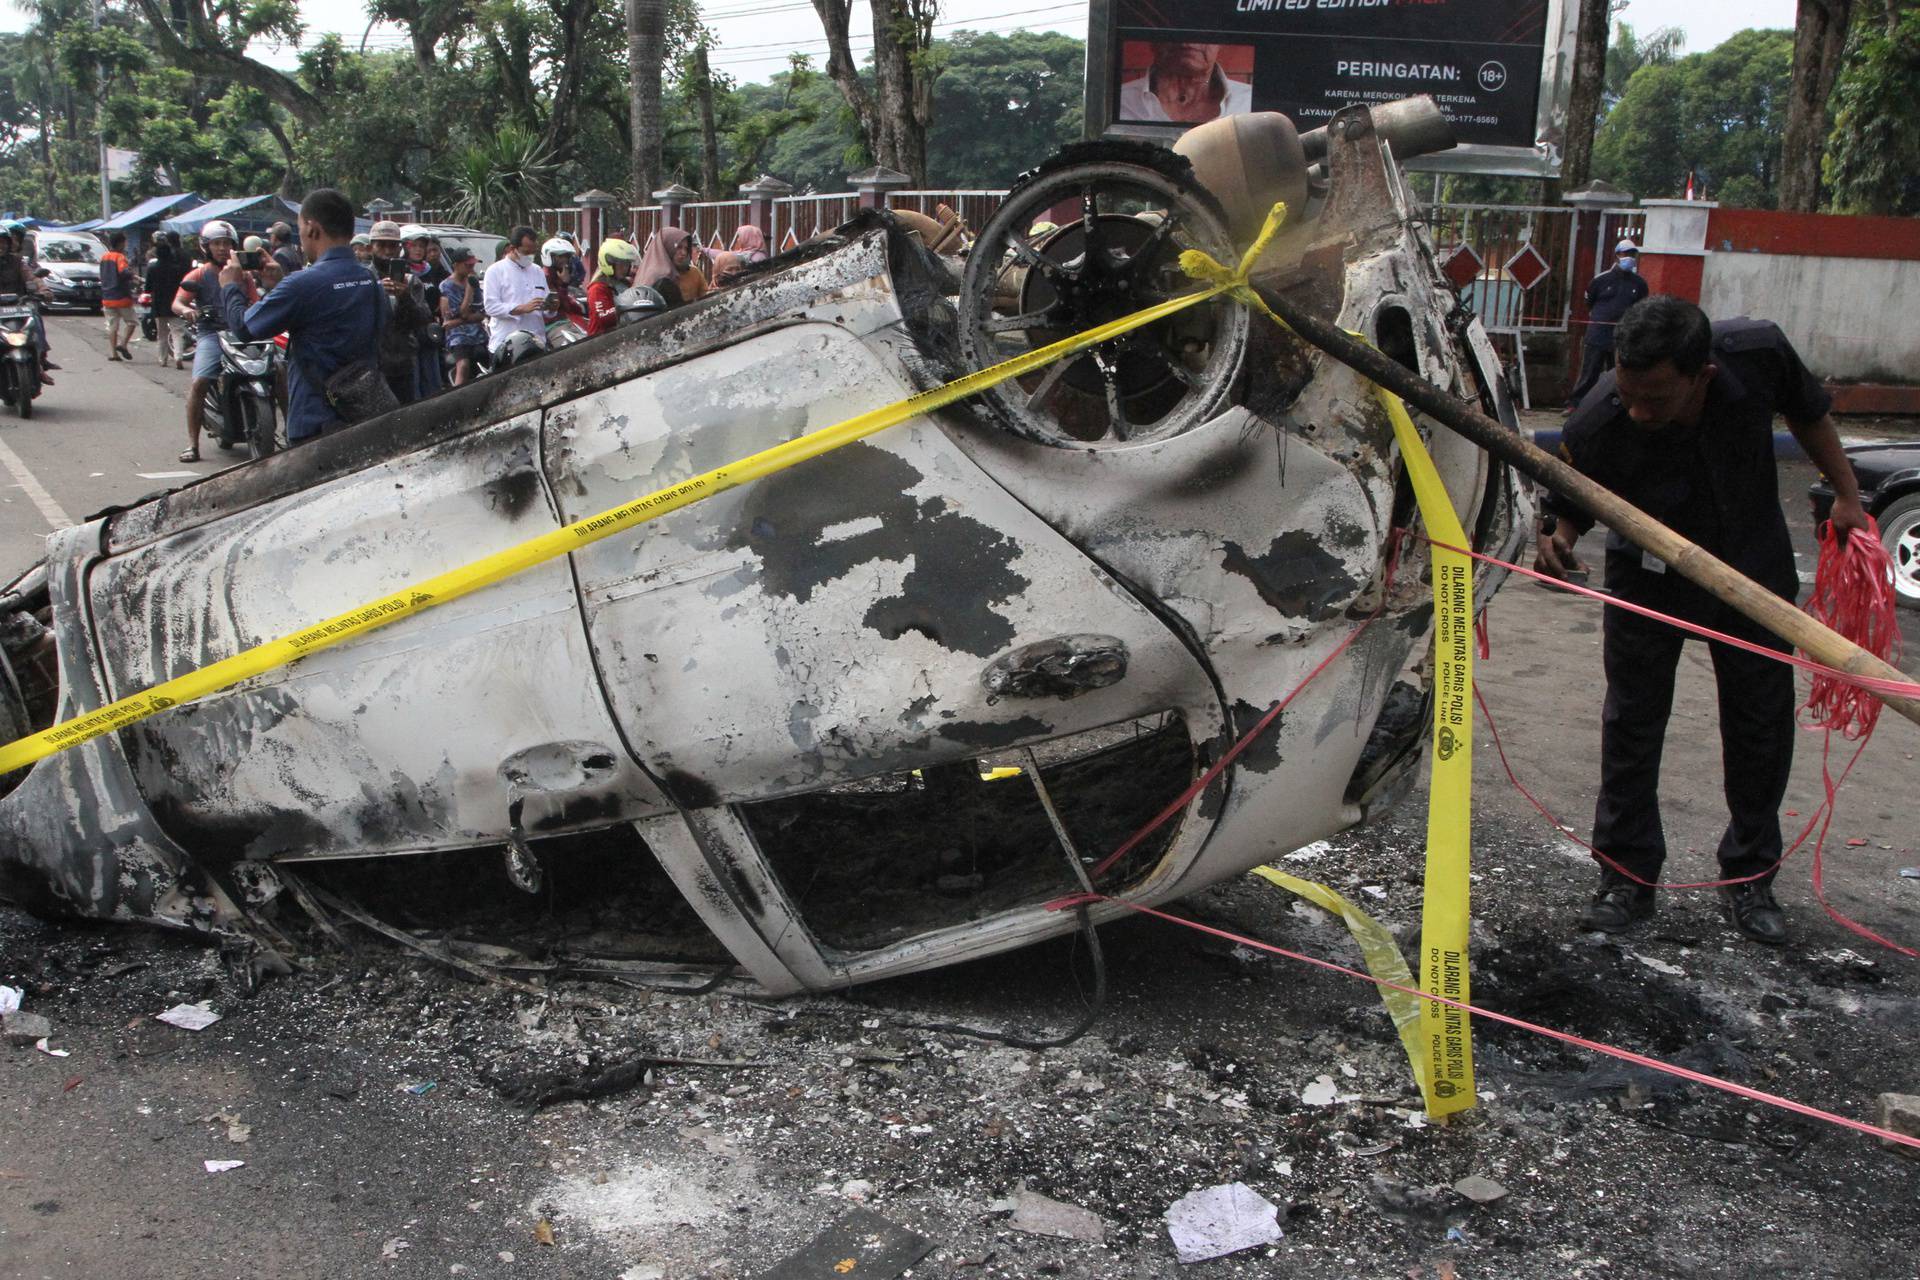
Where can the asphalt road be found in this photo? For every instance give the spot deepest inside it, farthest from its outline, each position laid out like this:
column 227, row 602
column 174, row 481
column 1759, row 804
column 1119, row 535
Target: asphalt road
column 350, row 1174
column 106, row 433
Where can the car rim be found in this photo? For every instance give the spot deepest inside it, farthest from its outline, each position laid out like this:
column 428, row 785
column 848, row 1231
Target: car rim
column 1904, row 544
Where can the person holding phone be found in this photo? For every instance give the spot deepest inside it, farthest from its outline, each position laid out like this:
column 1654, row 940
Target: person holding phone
column 400, row 340
column 462, row 314
column 515, row 292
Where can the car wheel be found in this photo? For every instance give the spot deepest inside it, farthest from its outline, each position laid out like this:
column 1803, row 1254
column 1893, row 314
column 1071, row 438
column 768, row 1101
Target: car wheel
column 1900, row 534
column 96, row 310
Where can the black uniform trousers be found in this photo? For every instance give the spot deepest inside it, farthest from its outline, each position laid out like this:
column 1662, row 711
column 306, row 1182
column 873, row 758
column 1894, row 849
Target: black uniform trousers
column 1594, row 361
column 1756, row 741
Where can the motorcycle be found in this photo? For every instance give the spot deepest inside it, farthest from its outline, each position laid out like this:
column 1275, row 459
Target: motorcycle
column 143, row 311
column 239, row 408
column 564, row 331
column 19, row 353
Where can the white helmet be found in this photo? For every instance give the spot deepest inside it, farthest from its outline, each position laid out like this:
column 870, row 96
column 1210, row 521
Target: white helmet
column 554, row 248
column 414, row 231
column 217, row 230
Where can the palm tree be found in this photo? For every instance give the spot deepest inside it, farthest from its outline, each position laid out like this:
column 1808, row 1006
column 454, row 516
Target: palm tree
column 503, row 179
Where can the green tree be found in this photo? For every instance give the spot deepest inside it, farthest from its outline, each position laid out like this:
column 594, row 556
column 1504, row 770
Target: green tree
column 1629, row 51
column 1718, row 114
column 1002, row 103
column 1872, row 162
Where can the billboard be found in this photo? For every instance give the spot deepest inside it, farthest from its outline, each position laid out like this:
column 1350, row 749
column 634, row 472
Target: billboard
column 1500, row 69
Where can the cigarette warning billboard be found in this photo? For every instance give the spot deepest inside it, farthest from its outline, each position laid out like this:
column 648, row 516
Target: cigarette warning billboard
column 1497, row 67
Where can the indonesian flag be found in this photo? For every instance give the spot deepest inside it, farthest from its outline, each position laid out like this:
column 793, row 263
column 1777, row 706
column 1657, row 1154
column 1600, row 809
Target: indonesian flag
column 1690, row 194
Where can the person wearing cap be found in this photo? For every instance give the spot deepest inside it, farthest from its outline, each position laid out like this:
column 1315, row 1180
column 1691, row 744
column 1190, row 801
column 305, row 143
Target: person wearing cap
column 400, row 340
column 200, row 300
column 424, row 265
column 463, row 314
column 285, row 251
column 424, row 258
column 332, row 312
column 1608, row 296
column 362, row 246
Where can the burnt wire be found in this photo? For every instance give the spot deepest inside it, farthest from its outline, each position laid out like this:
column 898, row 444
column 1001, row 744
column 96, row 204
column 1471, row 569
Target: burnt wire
column 1094, row 1008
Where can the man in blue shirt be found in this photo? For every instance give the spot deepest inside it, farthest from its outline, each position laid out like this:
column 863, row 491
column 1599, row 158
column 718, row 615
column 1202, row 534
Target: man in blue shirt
column 332, row 312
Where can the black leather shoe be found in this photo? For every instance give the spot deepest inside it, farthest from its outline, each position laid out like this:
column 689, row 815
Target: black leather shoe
column 1750, row 908
column 1618, row 905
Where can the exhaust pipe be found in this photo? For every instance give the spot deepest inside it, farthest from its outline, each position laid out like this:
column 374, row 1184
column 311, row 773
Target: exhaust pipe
column 1411, row 126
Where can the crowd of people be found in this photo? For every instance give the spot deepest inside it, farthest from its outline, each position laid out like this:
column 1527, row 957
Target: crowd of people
column 392, row 306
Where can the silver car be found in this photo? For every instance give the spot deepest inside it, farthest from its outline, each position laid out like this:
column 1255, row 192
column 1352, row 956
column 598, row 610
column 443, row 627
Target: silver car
column 869, row 715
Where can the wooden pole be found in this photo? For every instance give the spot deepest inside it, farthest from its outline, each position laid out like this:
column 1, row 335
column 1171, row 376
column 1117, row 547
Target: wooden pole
column 1740, row 592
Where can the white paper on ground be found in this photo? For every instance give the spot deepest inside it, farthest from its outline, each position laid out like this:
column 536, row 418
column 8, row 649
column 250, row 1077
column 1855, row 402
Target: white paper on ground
column 10, row 998
column 221, row 1166
column 1217, row 1221
column 41, row 1045
column 189, row 1017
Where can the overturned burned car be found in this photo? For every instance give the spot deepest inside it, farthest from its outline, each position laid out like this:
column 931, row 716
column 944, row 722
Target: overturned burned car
column 868, row 715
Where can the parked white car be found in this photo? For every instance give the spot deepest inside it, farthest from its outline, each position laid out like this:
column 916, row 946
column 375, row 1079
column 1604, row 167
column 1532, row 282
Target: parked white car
column 72, row 260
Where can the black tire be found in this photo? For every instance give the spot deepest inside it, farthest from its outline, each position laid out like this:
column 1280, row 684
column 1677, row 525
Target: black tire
column 23, row 397
column 262, row 427
column 96, row 310
column 1900, row 534
column 214, row 420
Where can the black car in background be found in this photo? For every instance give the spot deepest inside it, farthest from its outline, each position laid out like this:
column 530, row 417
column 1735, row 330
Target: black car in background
column 1889, row 478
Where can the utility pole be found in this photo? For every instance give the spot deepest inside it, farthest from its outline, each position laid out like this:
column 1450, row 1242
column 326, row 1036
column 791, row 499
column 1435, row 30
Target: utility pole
column 100, row 128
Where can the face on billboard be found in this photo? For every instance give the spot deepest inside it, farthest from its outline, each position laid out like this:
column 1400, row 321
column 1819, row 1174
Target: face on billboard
column 1184, row 59
column 1182, row 82
column 1480, row 60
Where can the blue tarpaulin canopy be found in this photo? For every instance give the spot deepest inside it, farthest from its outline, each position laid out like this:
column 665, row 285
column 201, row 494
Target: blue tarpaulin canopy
column 248, row 214
column 151, row 210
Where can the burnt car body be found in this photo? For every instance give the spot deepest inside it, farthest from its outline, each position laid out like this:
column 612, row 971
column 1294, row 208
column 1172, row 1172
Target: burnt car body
column 846, row 647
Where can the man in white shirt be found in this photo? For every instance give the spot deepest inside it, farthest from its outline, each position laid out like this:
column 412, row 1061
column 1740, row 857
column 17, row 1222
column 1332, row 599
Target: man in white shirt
column 515, row 291
column 1184, row 86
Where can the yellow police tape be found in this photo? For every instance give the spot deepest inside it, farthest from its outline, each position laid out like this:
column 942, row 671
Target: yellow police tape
column 547, row 546
column 1383, row 957
column 1445, row 1030
column 1444, row 1063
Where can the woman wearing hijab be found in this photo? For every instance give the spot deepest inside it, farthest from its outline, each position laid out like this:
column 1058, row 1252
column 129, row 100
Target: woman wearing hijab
column 749, row 243
column 668, row 268
column 727, row 266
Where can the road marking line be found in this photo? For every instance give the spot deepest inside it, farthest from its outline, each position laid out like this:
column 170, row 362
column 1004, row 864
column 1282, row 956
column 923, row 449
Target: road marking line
column 30, row 483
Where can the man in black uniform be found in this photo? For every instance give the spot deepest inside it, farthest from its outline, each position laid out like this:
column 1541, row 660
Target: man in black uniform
column 1683, row 429
column 1609, row 295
